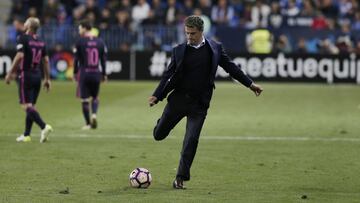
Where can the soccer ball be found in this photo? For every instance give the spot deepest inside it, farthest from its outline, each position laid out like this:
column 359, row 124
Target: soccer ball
column 140, row 178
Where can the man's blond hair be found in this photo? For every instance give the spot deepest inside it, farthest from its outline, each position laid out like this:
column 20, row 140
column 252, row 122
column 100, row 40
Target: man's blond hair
column 34, row 23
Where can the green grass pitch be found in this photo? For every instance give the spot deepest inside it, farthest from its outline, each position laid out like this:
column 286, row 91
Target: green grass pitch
column 294, row 143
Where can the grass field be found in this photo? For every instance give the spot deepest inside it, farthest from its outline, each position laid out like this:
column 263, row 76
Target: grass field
column 295, row 143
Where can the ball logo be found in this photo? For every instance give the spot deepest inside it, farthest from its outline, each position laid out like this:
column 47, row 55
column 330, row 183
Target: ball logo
column 62, row 66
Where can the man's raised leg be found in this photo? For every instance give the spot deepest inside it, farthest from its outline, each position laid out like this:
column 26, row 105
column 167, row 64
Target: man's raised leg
column 167, row 122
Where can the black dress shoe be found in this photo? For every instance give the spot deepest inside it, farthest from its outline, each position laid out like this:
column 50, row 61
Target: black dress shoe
column 178, row 184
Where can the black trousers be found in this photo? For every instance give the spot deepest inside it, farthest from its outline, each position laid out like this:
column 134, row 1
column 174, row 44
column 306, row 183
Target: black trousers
column 182, row 105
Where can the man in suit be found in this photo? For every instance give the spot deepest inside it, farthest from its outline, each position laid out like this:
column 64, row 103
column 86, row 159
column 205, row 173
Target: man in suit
column 190, row 76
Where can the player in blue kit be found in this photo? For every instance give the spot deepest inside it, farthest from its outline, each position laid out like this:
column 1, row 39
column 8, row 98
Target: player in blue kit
column 31, row 56
column 89, row 52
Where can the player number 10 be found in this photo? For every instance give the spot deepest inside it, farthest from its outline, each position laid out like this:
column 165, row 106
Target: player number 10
column 92, row 56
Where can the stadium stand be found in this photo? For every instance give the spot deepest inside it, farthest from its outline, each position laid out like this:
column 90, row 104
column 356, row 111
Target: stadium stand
column 305, row 26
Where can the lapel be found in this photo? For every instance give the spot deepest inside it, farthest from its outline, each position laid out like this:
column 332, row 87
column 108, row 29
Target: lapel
column 215, row 55
column 179, row 55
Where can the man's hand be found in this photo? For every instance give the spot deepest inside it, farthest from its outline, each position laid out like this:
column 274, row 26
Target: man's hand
column 104, row 78
column 257, row 89
column 47, row 85
column 152, row 101
column 9, row 77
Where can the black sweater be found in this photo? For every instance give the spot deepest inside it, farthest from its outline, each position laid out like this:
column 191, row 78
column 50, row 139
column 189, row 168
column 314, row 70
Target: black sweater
column 196, row 70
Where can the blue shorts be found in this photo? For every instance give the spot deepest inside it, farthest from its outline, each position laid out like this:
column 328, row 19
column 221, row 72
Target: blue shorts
column 88, row 85
column 29, row 87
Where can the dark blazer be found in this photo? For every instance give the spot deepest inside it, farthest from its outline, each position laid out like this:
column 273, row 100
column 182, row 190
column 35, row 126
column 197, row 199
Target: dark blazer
column 173, row 73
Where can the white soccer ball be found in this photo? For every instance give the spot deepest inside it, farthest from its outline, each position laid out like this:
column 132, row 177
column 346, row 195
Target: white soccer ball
column 140, row 178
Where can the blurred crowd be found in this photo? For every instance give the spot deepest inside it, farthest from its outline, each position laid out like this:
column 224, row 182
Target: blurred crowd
column 335, row 16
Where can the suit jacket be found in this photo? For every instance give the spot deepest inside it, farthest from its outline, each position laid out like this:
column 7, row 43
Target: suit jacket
column 174, row 71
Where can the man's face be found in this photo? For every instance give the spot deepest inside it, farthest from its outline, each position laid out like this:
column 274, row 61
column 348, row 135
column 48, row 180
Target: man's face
column 19, row 26
column 193, row 35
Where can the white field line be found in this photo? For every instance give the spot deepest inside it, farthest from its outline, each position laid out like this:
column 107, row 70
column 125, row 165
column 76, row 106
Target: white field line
column 204, row 137
column 222, row 138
